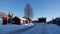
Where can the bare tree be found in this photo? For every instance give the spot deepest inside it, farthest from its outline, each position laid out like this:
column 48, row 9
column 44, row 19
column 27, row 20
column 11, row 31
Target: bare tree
column 28, row 11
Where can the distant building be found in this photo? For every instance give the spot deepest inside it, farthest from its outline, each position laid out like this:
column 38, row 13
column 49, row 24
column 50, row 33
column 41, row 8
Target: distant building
column 56, row 21
column 5, row 20
column 16, row 20
column 10, row 17
column 4, row 17
column 42, row 20
column 25, row 20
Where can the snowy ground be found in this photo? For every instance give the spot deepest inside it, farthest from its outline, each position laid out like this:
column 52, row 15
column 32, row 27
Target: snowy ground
column 13, row 28
column 39, row 28
column 53, row 29
column 43, row 29
column 10, row 28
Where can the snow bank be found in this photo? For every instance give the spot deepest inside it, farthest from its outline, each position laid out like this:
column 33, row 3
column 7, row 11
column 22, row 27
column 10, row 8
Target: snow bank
column 53, row 29
column 30, row 24
column 10, row 28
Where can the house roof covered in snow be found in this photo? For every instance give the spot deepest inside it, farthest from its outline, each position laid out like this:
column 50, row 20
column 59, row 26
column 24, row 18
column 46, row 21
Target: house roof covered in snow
column 23, row 18
column 2, row 14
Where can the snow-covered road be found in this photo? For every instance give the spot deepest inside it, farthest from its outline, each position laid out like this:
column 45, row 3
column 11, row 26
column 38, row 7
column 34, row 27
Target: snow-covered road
column 43, row 29
column 38, row 29
column 35, row 30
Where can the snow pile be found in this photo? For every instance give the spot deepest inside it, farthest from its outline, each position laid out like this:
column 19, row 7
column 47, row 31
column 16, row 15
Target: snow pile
column 53, row 29
column 30, row 24
column 10, row 28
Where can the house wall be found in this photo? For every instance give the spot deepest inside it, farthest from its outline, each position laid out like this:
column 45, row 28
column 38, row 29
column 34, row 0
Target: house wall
column 1, row 21
column 5, row 20
column 22, row 21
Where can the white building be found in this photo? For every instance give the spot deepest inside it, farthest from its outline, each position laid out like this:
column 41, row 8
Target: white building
column 24, row 21
column 2, row 15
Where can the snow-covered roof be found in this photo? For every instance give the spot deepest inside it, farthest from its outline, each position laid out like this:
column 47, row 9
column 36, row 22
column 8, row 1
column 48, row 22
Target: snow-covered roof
column 2, row 14
column 23, row 18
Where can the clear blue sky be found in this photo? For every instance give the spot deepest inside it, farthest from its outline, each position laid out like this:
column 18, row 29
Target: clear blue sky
column 42, row 8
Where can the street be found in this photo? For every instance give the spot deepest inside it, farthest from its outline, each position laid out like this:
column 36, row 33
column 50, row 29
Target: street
column 42, row 28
